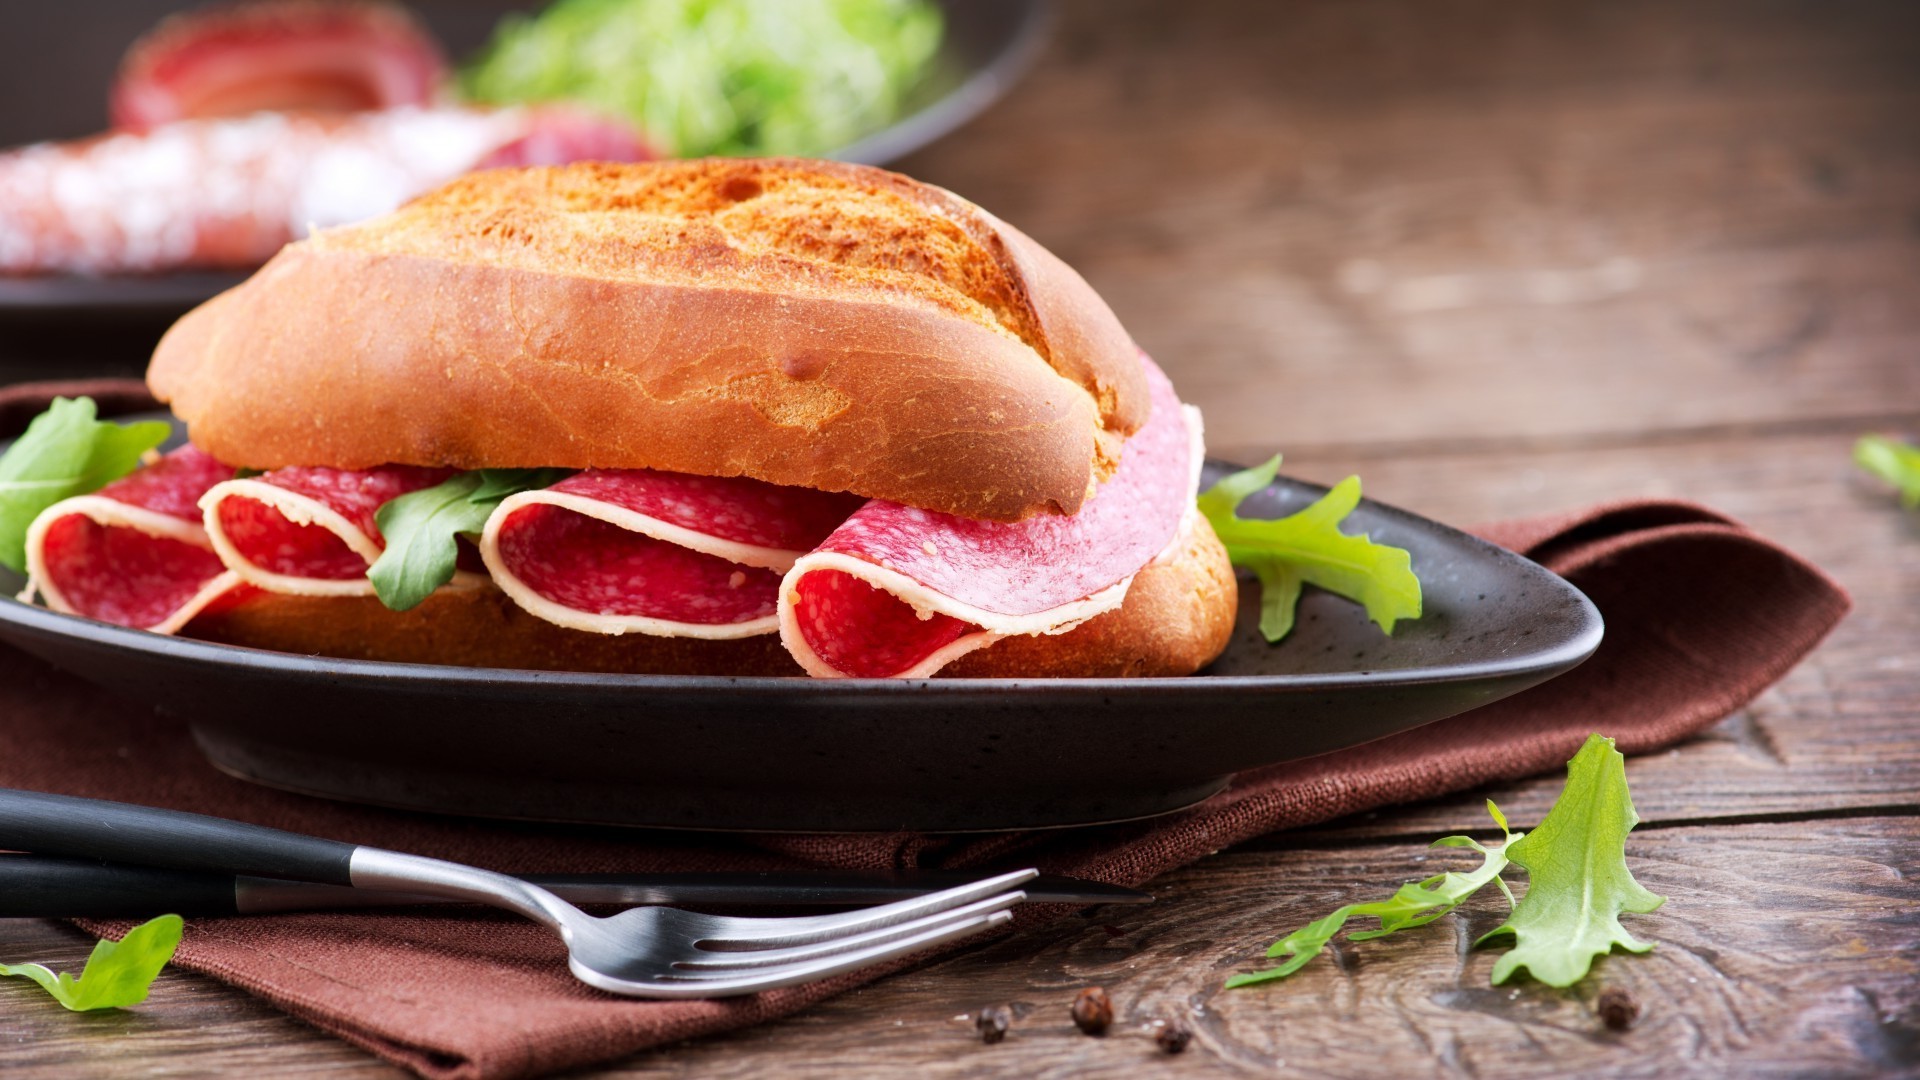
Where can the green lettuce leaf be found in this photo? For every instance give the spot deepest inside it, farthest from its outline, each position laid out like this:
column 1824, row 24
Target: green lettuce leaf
column 1308, row 548
column 66, row 451
column 1578, row 881
column 117, row 974
column 1896, row 462
column 702, row 77
column 421, row 527
column 1415, row 904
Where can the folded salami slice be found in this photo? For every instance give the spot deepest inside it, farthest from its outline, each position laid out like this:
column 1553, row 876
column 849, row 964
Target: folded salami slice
column 616, row 551
column 898, row 591
column 308, row 531
column 134, row 552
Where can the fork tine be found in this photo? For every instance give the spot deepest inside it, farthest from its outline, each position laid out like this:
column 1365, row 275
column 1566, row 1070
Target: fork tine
column 746, row 961
column 729, row 984
column 750, row 933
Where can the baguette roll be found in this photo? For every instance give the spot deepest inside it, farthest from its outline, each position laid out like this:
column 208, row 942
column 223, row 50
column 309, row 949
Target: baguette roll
column 805, row 323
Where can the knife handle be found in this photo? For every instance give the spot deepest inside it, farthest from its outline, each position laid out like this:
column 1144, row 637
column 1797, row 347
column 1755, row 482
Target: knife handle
column 146, row 836
column 36, row 886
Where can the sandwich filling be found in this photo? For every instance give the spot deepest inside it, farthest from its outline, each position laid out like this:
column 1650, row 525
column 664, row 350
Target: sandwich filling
column 900, row 591
column 854, row 588
column 135, row 552
column 615, row 551
column 309, row 531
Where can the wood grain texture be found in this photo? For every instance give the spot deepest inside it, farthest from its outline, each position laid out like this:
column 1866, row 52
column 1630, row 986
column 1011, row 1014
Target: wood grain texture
column 1523, row 217
column 1779, row 954
column 1838, row 733
column 1499, row 258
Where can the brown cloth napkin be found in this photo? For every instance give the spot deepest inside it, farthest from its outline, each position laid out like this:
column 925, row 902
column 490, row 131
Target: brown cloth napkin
column 1702, row 614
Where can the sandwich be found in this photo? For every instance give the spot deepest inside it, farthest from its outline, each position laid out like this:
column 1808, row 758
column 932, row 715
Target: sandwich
column 718, row 417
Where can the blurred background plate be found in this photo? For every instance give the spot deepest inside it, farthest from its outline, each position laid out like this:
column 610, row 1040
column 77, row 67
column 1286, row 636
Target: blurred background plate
column 57, row 62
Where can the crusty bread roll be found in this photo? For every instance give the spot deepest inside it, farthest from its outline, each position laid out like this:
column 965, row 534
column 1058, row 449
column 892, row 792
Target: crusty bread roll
column 1177, row 617
column 806, row 323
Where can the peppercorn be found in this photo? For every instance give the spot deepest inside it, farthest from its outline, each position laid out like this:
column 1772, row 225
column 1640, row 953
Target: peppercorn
column 1172, row 1037
column 993, row 1022
column 1093, row 1011
column 1617, row 1008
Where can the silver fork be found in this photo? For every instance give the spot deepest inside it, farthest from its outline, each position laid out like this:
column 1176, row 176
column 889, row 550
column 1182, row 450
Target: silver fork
column 653, row 952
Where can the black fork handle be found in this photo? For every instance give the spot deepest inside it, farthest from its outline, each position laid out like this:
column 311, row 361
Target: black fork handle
column 44, row 824
column 51, row 887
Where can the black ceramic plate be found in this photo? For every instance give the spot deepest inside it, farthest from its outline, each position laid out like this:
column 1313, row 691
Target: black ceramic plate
column 805, row 754
column 986, row 46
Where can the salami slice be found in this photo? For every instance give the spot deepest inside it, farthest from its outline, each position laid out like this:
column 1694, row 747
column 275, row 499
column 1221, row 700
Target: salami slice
column 616, row 551
column 234, row 59
column 134, row 552
column 900, row 591
column 308, row 531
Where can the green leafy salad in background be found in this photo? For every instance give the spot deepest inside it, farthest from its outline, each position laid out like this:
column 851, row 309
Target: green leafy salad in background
column 726, row 77
column 117, row 974
column 1578, row 885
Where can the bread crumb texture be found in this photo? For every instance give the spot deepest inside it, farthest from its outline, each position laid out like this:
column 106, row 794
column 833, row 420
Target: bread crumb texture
column 803, row 322
column 816, row 230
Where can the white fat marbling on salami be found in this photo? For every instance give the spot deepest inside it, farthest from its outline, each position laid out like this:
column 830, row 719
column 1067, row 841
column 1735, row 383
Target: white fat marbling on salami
column 616, row 551
column 134, row 553
column 901, row 591
column 309, row 531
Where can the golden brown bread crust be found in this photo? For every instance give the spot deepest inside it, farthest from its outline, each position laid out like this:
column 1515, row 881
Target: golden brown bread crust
column 1177, row 617
column 807, row 323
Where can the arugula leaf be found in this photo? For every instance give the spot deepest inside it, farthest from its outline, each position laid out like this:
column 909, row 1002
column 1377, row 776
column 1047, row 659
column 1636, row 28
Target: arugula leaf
column 1571, row 913
column 1308, row 548
column 1576, row 862
column 1896, row 462
column 64, row 452
column 1415, row 904
column 420, row 529
column 117, row 974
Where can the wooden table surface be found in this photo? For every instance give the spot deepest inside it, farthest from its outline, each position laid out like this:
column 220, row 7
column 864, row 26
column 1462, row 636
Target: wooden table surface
column 1497, row 257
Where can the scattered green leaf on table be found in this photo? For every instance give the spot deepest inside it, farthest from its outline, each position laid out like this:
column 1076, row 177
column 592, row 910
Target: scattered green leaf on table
column 1896, row 462
column 1415, row 904
column 117, row 974
column 421, row 529
column 65, row 452
column 1578, row 881
column 1308, row 548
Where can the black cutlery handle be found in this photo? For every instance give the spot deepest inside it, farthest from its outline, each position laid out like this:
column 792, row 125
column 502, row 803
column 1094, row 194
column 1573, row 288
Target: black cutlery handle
column 145, row 836
column 43, row 886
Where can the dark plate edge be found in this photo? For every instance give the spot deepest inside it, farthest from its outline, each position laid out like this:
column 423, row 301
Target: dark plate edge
column 227, row 769
column 964, row 102
column 1554, row 659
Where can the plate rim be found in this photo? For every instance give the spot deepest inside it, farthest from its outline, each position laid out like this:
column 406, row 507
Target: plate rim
column 981, row 87
column 1574, row 649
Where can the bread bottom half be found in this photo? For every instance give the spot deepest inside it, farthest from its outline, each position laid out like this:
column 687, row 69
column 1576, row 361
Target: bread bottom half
column 1177, row 617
